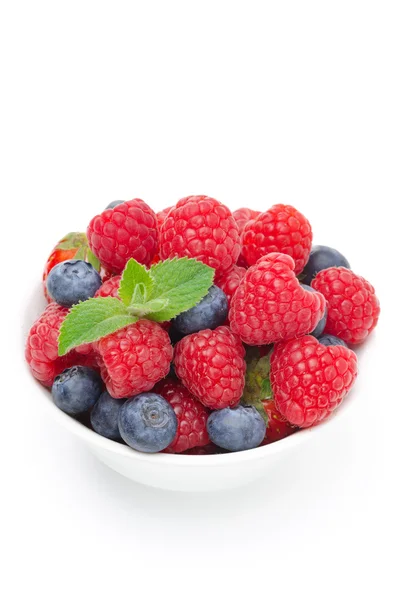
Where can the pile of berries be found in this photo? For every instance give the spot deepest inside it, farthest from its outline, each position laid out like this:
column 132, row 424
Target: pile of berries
column 198, row 330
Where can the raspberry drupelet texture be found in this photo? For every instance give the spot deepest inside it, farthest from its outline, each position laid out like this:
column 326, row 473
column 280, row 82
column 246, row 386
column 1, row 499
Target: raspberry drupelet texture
column 127, row 231
column 270, row 305
column 229, row 281
column 133, row 359
column 243, row 215
column 211, row 365
column 201, row 227
column 41, row 350
column 191, row 414
column 161, row 216
column 109, row 288
column 280, row 229
column 309, row 380
column 353, row 308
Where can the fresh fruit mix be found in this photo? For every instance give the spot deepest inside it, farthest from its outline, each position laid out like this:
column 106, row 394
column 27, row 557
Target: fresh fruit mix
column 198, row 330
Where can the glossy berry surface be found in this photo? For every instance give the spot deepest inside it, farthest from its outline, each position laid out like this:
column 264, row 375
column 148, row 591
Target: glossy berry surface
column 161, row 216
column 133, row 359
column 76, row 389
column 243, row 215
column 211, row 365
column 235, row 429
column 209, row 313
column 201, row 227
column 127, row 231
column 109, row 288
column 331, row 340
column 104, row 416
column 280, row 229
column 353, row 308
column 309, row 380
column 229, row 281
column 270, row 305
column 191, row 414
column 318, row 330
column 41, row 351
column 320, row 258
column 72, row 281
column 147, row 423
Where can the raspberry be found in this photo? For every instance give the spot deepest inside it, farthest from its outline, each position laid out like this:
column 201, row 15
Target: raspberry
column 353, row 308
column 161, row 216
column 127, row 231
column 280, row 229
column 211, row 365
column 109, row 288
column 243, row 215
column 229, row 281
column 202, row 228
column 191, row 414
column 309, row 380
column 277, row 426
column 133, row 359
column 270, row 305
column 41, row 350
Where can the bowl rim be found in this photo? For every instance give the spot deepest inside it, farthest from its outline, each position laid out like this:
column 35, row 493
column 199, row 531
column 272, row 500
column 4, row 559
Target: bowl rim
column 93, row 439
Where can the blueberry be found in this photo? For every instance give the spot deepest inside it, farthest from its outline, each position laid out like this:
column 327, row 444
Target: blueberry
column 147, row 422
column 72, row 281
column 114, row 203
column 322, row 257
column 207, row 314
column 236, row 429
column 331, row 340
column 319, row 328
column 76, row 389
column 105, row 416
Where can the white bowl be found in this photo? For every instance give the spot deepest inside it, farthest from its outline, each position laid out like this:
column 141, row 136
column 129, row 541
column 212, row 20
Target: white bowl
column 173, row 471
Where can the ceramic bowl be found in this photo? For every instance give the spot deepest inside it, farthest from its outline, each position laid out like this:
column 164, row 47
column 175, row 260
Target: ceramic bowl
column 173, row 471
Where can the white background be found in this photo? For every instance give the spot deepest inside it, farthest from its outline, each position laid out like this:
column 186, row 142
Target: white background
column 252, row 103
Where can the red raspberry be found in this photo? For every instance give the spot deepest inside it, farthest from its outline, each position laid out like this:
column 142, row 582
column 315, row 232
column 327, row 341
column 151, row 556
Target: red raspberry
column 161, row 216
column 277, row 426
column 229, row 281
column 133, row 359
column 310, row 380
column 191, row 414
column 109, row 288
column 211, row 365
column 202, row 228
column 280, row 229
column 127, row 231
column 270, row 305
column 353, row 308
column 41, row 350
column 243, row 215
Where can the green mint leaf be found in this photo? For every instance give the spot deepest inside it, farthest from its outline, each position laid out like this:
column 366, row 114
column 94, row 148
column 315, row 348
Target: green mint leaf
column 181, row 281
column 91, row 320
column 153, row 306
column 134, row 274
column 139, row 295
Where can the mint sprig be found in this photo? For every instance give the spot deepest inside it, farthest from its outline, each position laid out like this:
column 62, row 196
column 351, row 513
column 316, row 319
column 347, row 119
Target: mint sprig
column 159, row 294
